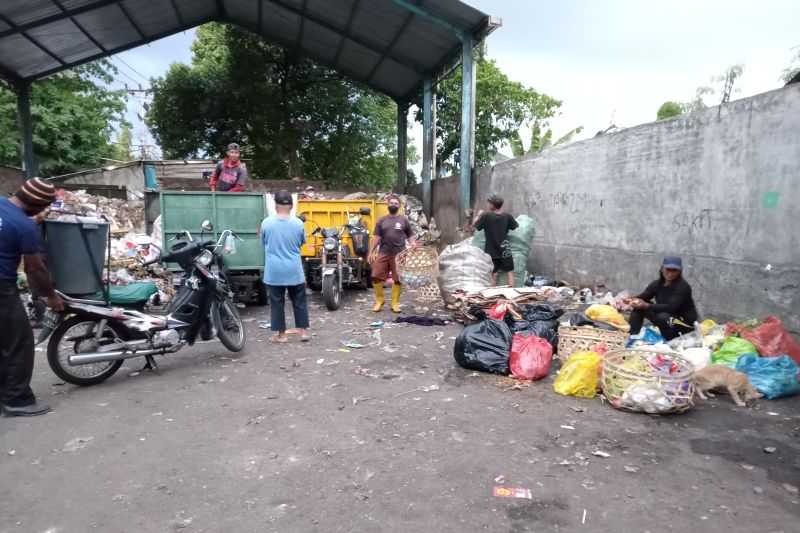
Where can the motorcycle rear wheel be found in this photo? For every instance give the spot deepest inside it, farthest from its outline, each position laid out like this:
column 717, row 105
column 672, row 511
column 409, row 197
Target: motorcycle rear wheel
column 230, row 328
column 61, row 347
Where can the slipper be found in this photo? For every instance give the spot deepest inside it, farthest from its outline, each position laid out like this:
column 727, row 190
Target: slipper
column 278, row 340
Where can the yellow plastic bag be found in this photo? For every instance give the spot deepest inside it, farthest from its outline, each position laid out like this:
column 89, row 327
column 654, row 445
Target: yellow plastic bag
column 609, row 315
column 706, row 326
column 580, row 375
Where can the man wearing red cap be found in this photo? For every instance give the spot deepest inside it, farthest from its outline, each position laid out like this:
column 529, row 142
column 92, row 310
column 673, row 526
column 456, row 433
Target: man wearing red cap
column 230, row 174
column 19, row 239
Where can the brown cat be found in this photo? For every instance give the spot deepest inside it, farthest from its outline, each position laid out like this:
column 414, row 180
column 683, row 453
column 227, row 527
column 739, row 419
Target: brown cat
column 723, row 378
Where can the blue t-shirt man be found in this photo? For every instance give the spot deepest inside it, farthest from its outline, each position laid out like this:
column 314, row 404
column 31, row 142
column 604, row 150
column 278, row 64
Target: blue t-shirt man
column 18, row 236
column 283, row 237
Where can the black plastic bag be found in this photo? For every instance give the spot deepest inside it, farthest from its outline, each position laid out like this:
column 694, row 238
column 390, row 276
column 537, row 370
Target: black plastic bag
column 535, row 313
column 580, row 319
column 542, row 321
column 484, row 346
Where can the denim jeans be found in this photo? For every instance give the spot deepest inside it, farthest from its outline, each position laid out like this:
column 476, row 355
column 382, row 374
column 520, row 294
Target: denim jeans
column 277, row 301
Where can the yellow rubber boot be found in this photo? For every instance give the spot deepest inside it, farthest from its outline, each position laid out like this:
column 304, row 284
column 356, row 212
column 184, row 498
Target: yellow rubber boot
column 379, row 298
column 396, row 291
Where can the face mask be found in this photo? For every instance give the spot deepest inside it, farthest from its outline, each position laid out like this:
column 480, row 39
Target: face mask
column 393, row 209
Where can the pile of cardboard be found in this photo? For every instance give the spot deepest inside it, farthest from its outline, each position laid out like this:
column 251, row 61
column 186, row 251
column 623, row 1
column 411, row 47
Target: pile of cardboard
column 464, row 305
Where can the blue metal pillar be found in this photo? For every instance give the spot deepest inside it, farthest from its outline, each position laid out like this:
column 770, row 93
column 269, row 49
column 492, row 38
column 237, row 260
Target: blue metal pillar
column 29, row 164
column 402, row 145
column 428, row 140
column 467, row 125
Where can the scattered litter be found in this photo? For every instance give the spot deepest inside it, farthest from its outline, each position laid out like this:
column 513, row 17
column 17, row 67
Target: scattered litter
column 264, row 325
column 157, row 414
column 631, row 469
column 747, row 466
column 578, row 409
column 772, row 413
column 240, row 305
column 600, row 453
column 378, row 324
column 758, row 490
column 457, row 436
column 354, row 345
column 76, row 444
column 439, row 336
column 770, row 449
column 568, row 427
column 359, row 399
column 500, row 479
column 389, row 348
column 429, row 388
column 583, row 520
column 508, row 492
column 133, row 374
column 790, row 488
column 320, row 361
column 12, row 452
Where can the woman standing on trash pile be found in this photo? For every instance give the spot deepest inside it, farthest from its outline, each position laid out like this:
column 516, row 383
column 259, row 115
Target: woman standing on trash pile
column 282, row 236
column 667, row 303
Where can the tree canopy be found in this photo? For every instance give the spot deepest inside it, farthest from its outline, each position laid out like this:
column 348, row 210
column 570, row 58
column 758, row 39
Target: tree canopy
column 74, row 115
column 291, row 116
column 669, row 110
column 502, row 107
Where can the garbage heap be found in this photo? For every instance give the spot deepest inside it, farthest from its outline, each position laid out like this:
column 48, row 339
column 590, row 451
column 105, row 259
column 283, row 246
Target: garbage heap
column 521, row 331
column 125, row 216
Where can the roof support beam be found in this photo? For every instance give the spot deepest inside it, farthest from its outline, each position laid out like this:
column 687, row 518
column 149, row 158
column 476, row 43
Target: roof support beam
column 33, row 41
column 392, row 43
column 113, row 51
column 80, row 26
column 417, row 10
column 418, row 69
column 467, row 126
column 177, row 13
column 131, row 21
column 428, row 144
column 302, row 26
column 346, row 32
column 402, row 147
column 29, row 163
column 55, row 18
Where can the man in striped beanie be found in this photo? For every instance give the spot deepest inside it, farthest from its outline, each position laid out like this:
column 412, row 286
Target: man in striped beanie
column 20, row 239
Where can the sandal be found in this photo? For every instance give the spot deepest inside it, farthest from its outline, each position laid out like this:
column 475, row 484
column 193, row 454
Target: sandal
column 277, row 339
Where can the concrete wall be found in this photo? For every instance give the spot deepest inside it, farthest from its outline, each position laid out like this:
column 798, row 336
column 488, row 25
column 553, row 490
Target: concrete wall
column 720, row 187
column 131, row 177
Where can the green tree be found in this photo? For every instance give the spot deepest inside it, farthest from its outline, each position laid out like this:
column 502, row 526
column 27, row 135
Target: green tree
column 794, row 67
column 540, row 140
column 669, row 110
column 722, row 86
column 123, row 147
column 502, row 107
column 74, row 114
column 293, row 117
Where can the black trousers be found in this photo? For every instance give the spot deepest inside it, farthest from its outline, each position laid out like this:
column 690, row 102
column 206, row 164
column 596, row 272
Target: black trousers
column 277, row 301
column 660, row 320
column 16, row 349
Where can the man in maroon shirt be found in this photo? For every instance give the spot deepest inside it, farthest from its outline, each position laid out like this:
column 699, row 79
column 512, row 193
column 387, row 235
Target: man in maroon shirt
column 230, row 174
column 392, row 232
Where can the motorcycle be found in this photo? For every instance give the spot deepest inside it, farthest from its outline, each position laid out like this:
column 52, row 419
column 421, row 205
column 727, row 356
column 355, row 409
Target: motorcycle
column 336, row 266
column 90, row 340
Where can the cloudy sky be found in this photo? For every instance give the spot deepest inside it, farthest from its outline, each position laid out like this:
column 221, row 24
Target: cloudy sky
column 614, row 61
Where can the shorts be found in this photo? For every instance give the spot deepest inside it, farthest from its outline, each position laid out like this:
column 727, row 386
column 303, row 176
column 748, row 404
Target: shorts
column 503, row 264
column 384, row 265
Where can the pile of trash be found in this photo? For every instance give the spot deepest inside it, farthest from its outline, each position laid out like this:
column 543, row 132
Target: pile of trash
column 424, row 230
column 124, row 216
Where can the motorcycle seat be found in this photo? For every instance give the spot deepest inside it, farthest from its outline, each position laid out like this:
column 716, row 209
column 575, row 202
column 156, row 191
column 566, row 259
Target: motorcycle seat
column 133, row 294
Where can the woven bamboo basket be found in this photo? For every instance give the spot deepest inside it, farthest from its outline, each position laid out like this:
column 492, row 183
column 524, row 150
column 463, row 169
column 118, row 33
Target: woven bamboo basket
column 429, row 293
column 573, row 339
column 418, row 266
column 641, row 381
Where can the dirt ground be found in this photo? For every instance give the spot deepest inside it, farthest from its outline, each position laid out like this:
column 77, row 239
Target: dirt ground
column 390, row 437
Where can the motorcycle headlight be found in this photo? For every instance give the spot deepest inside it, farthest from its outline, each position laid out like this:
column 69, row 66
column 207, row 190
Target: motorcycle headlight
column 330, row 244
column 205, row 258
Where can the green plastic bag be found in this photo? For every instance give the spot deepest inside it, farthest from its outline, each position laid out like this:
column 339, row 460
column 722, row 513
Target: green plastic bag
column 730, row 351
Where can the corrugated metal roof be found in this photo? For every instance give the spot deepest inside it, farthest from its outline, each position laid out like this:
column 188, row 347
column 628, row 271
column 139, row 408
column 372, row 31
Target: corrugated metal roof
column 380, row 43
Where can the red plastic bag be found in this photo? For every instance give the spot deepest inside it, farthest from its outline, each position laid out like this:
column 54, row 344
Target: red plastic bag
column 769, row 337
column 530, row 357
column 498, row 311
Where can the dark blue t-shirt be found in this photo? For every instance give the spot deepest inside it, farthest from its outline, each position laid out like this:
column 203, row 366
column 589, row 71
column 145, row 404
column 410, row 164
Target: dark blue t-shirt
column 18, row 236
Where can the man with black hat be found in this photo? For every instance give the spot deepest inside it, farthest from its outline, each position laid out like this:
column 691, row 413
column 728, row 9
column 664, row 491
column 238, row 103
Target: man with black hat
column 230, row 174
column 496, row 224
column 283, row 236
column 19, row 239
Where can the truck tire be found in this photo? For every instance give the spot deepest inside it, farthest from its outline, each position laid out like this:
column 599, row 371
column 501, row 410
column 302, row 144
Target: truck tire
column 331, row 292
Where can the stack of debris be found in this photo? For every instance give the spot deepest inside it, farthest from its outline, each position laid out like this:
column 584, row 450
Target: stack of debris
column 123, row 215
column 465, row 305
column 424, row 230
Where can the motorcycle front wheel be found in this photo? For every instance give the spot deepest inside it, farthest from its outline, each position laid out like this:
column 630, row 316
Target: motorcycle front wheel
column 75, row 336
column 331, row 293
column 230, row 328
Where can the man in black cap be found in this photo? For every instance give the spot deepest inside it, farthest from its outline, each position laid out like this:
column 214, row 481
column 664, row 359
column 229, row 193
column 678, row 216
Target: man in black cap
column 230, row 174
column 19, row 239
column 667, row 302
column 496, row 224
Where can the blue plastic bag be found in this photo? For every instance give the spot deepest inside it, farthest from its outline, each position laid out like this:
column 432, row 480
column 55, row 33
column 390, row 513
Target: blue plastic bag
column 774, row 377
column 646, row 336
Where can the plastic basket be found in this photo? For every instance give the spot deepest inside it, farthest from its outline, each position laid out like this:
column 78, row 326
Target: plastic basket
column 650, row 382
column 573, row 339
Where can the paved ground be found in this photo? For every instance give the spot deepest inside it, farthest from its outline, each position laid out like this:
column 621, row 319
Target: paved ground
column 392, row 437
